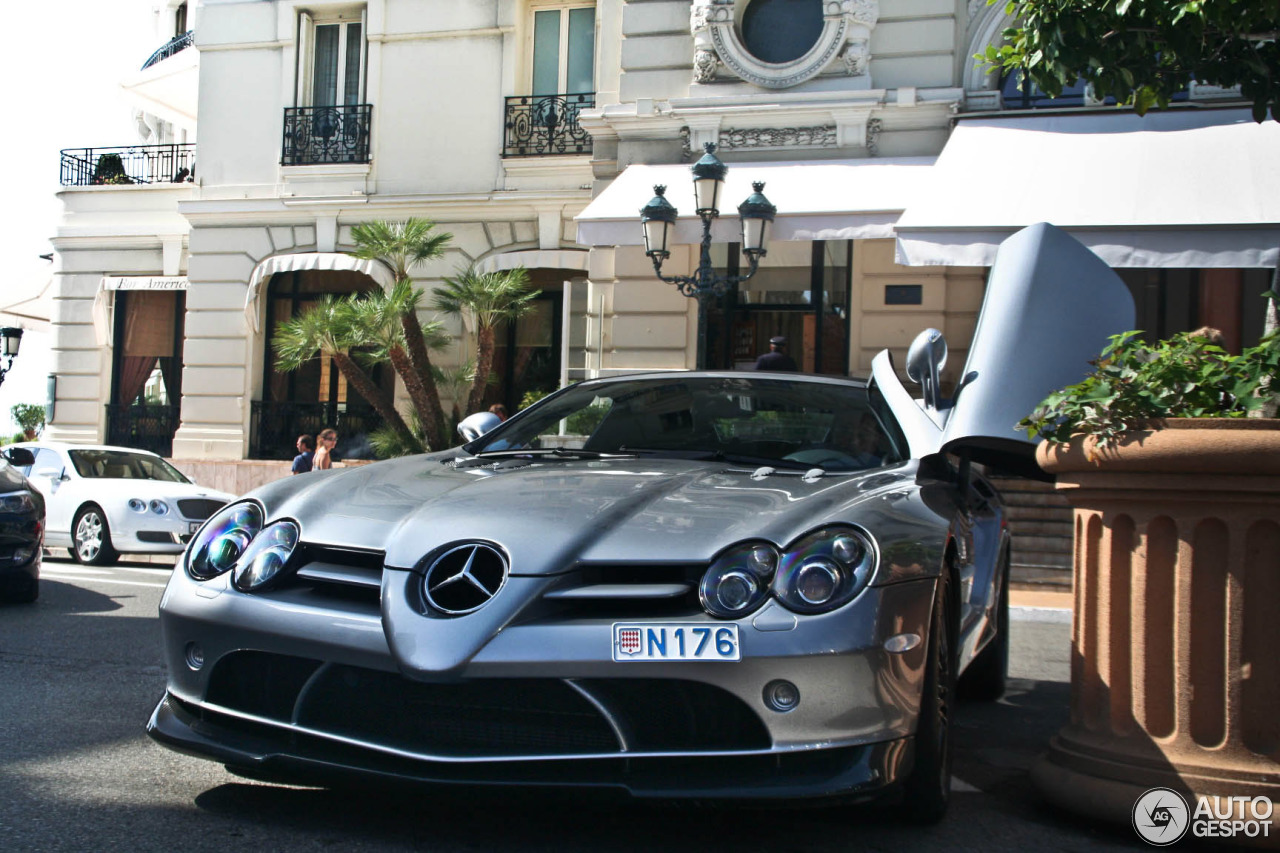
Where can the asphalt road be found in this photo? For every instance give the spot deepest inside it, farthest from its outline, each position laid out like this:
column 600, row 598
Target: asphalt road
column 80, row 672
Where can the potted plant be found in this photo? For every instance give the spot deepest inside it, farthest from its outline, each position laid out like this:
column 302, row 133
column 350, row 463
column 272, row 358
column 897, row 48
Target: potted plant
column 1174, row 677
column 30, row 419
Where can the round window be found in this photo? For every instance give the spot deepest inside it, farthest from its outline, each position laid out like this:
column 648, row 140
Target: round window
column 781, row 30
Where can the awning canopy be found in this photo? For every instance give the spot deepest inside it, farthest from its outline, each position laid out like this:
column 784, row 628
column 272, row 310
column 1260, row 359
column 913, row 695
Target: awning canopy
column 1188, row 188
column 302, row 261
column 820, row 200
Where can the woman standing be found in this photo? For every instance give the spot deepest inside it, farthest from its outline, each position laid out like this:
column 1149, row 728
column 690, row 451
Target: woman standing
column 328, row 439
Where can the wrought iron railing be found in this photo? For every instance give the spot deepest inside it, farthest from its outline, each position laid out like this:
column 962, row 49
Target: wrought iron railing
column 129, row 164
column 337, row 134
column 274, row 428
column 174, row 45
column 542, row 125
column 146, row 427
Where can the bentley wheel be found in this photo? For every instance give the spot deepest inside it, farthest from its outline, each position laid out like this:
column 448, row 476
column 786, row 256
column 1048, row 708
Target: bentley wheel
column 984, row 678
column 928, row 789
column 92, row 537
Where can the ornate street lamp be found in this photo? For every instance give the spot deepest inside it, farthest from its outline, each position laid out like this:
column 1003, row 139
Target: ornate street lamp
column 659, row 216
column 10, row 340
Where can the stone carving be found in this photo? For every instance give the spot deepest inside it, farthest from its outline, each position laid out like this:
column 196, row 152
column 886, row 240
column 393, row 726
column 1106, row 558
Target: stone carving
column 821, row 136
column 704, row 66
column 857, row 58
column 846, row 33
column 874, row 126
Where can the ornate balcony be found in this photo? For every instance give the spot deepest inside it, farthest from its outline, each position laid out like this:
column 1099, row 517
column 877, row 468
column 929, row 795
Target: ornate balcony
column 316, row 135
column 130, row 164
column 174, row 45
column 546, row 125
column 275, row 427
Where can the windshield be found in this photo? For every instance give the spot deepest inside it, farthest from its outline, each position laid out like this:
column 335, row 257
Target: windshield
column 766, row 421
column 123, row 465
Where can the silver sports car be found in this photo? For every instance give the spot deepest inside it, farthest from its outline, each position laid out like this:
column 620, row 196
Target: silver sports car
column 711, row 585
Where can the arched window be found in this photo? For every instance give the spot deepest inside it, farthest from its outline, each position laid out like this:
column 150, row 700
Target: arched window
column 315, row 396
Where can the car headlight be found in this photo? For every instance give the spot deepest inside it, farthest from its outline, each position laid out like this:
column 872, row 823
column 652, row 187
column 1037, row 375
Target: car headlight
column 266, row 556
column 17, row 502
column 223, row 540
column 137, row 505
column 825, row 569
column 738, row 581
column 159, row 507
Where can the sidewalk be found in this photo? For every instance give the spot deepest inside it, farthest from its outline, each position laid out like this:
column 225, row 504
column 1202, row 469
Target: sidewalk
column 1040, row 605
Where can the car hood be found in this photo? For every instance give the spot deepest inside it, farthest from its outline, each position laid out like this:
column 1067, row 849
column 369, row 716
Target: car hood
column 550, row 514
column 1050, row 307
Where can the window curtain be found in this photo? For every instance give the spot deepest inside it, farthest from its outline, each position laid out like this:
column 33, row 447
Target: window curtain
column 148, row 337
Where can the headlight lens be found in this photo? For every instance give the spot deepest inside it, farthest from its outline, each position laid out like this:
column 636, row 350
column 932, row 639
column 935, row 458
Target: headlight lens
column 17, row 502
column 223, row 540
column 137, row 505
column 738, row 581
column 159, row 507
column 266, row 556
column 825, row 570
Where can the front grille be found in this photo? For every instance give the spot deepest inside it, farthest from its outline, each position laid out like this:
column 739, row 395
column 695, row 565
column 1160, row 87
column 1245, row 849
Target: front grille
column 490, row 718
column 627, row 591
column 198, row 509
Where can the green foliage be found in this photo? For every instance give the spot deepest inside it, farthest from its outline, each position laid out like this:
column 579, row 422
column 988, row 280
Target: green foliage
column 29, row 416
column 1143, row 52
column 399, row 245
column 325, row 328
column 491, row 296
column 585, row 421
column 389, row 443
column 532, row 396
column 1134, row 383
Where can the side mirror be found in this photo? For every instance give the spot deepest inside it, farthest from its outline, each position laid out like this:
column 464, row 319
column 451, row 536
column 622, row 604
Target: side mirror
column 20, row 456
column 474, row 426
column 926, row 357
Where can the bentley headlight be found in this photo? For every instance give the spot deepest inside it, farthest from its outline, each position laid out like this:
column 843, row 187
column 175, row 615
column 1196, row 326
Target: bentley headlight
column 159, row 507
column 266, row 556
column 137, row 505
column 825, row 569
column 738, row 581
column 223, row 540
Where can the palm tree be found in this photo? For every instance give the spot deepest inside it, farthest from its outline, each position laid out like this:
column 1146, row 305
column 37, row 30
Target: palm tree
column 325, row 329
column 491, row 298
column 400, row 245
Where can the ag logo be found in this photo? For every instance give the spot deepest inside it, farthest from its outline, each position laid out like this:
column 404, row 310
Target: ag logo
column 1161, row 817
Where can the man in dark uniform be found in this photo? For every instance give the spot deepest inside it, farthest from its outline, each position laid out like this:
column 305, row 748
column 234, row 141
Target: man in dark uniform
column 776, row 358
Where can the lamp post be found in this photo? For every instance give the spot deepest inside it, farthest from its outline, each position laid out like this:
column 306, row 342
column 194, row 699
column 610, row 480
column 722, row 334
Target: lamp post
column 659, row 216
column 10, row 340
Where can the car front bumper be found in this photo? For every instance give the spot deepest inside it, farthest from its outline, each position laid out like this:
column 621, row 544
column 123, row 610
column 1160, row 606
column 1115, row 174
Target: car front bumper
column 295, row 687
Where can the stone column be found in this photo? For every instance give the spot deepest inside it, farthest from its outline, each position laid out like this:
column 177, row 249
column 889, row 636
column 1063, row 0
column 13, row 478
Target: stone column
column 1175, row 678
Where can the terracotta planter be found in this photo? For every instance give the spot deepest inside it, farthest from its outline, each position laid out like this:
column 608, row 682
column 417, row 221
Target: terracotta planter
column 1175, row 676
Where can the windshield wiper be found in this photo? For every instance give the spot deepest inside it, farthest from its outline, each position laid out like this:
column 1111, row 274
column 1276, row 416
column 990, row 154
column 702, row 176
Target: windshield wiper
column 674, row 453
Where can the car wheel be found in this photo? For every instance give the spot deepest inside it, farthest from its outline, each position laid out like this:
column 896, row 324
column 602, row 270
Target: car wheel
column 928, row 788
column 92, row 537
column 984, row 679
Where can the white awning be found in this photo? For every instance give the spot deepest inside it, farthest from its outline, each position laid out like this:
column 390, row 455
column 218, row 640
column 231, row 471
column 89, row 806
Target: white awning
column 1187, row 188
column 303, row 261
column 819, row 200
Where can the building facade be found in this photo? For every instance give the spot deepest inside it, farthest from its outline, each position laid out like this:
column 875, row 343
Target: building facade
column 533, row 131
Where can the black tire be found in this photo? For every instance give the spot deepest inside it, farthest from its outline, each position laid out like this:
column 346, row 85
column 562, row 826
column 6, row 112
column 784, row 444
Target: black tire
column 927, row 791
column 985, row 678
column 92, row 537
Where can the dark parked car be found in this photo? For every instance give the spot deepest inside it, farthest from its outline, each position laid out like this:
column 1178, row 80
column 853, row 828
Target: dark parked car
column 21, row 529
column 710, row 585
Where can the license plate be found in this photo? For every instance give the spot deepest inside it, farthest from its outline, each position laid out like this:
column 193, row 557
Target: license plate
column 195, row 525
column 674, row 642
